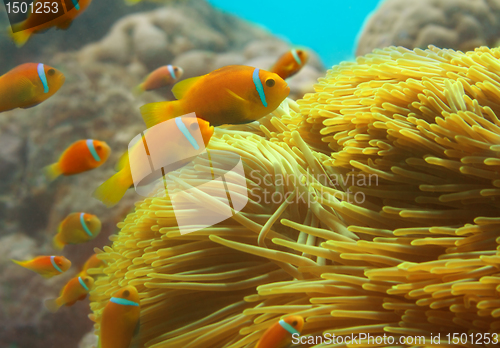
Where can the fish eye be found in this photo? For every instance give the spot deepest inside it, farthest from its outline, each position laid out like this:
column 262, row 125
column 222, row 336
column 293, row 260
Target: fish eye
column 194, row 126
column 175, row 69
column 270, row 82
column 126, row 293
column 51, row 72
column 295, row 322
column 98, row 147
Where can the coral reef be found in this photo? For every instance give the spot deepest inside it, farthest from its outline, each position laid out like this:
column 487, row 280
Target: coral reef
column 457, row 24
column 95, row 102
column 23, row 322
column 396, row 232
column 198, row 39
column 81, row 32
column 92, row 105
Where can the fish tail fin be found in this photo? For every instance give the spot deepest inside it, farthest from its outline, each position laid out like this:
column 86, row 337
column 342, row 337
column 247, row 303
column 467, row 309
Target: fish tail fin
column 52, row 171
column 112, row 190
column 52, row 304
column 20, row 263
column 20, row 36
column 139, row 89
column 122, row 162
column 154, row 113
column 57, row 243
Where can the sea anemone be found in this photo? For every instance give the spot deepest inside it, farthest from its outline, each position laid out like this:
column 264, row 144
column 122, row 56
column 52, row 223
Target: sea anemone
column 372, row 210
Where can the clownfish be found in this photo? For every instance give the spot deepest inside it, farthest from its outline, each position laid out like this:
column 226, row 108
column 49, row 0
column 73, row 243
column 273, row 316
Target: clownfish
column 280, row 334
column 76, row 289
column 41, row 20
column 120, row 319
column 234, row 94
column 290, row 63
column 161, row 77
column 46, row 266
column 77, row 228
column 28, row 85
column 112, row 190
column 92, row 262
column 81, row 156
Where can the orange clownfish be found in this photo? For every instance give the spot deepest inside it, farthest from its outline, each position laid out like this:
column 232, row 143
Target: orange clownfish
column 290, row 63
column 161, row 77
column 75, row 290
column 234, row 94
column 77, row 228
column 120, row 319
column 46, row 266
column 112, row 190
column 44, row 17
column 280, row 334
column 28, row 85
column 81, row 156
column 92, row 262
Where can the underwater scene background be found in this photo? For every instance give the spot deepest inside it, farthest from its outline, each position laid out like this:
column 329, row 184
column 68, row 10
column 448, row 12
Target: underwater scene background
column 369, row 209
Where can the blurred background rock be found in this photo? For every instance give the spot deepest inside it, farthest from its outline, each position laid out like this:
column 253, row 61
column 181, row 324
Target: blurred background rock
column 457, row 24
column 111, row 52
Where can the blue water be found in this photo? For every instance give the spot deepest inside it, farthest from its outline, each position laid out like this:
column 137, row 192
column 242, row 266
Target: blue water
column 330, row 27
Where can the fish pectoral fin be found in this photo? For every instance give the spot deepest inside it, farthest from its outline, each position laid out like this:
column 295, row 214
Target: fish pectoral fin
column 27, row 87
column 180, row 88
column 236, row 96
column 47, row 275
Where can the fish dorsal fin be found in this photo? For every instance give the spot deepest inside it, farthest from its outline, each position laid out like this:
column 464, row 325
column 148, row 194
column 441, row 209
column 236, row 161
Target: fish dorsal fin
column 180, row 88
column 236, row 96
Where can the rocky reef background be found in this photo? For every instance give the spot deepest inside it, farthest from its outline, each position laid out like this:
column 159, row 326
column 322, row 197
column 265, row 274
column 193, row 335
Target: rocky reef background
column 456, row 24
column 103, row 55
column 90, row 27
